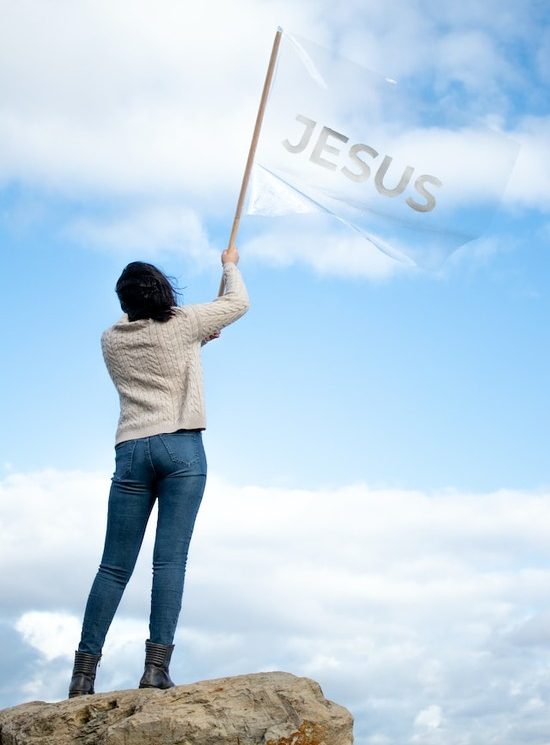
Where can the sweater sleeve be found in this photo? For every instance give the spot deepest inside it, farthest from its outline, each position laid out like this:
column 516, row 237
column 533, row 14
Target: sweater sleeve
column 211, row 317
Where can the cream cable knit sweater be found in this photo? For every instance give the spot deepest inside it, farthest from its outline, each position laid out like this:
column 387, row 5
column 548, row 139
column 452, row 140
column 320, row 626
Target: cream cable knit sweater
column 156, row 366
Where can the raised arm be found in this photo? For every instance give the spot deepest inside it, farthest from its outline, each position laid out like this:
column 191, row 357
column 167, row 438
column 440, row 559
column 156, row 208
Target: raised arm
column 211, row 317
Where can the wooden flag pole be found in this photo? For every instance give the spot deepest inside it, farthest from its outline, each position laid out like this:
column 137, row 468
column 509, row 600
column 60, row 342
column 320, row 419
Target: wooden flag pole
column 254, row 143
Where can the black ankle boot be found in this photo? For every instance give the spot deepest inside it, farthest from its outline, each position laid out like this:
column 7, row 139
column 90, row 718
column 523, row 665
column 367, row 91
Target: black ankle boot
column 84, row 669
column 157, row 660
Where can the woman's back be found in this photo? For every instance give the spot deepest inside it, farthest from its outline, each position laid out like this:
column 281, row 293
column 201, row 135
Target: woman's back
column 156, row 366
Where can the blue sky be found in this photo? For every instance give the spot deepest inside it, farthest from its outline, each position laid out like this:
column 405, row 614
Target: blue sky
column 398, row 417
column 424, row 382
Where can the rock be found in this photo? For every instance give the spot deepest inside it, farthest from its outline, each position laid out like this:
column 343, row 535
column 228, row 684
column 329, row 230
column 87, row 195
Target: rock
column 273, row 708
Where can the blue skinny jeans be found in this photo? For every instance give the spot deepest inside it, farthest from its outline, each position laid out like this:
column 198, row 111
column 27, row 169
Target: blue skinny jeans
column 170, row 468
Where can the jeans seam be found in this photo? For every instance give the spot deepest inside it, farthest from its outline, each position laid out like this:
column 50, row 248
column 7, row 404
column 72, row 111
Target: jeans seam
column 150, row 457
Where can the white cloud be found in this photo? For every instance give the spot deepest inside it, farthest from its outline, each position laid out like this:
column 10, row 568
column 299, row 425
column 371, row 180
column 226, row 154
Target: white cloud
column 426, row 614
column 469, row 56
column 427, row 35
column 150, row 107
column 159, row 98
column 47, row 631
column 530, row 184
column 153, row 230
column 137, row 98
column 320, row 243
column 431, row 717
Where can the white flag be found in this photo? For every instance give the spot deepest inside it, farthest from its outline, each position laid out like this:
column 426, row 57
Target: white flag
column 410, row 175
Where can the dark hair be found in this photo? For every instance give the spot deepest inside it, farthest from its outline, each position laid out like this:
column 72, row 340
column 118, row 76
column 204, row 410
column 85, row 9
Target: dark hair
column 145, row 292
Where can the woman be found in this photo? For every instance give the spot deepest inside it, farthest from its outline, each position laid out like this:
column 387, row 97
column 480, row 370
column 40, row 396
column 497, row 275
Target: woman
column 153, row 357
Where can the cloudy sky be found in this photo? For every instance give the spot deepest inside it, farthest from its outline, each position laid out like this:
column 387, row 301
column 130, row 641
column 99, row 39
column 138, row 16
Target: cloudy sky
column 377, row 515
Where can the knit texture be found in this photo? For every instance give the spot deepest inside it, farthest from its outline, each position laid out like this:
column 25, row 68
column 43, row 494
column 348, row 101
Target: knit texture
column 156, row 366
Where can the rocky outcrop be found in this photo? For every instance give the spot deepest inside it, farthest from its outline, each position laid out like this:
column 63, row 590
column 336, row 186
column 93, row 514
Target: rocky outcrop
column 260, row 709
